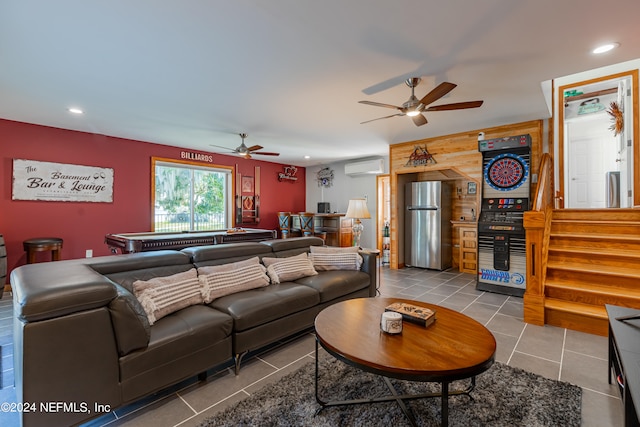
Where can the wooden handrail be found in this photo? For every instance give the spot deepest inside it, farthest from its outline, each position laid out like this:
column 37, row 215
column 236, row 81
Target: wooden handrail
column 537, row 224
column 544, row 190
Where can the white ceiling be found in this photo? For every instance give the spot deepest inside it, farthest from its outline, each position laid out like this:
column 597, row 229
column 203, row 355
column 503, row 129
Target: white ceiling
column 290, row 73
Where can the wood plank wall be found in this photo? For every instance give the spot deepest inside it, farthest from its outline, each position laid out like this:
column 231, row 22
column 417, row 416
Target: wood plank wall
column 458, row 161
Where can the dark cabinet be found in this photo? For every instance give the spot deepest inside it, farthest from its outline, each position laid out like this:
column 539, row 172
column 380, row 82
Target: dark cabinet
column 338, row 228
column 624, row 359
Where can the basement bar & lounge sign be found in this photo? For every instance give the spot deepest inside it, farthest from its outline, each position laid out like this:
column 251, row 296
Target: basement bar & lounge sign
column 34, row 180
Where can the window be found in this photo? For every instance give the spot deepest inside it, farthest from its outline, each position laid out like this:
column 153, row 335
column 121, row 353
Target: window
column 191, row 197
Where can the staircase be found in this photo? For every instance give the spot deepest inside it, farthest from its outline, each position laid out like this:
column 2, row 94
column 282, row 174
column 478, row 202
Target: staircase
column 593, row 260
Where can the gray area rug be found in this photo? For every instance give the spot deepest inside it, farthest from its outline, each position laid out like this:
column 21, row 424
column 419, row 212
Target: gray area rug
column 504, row 396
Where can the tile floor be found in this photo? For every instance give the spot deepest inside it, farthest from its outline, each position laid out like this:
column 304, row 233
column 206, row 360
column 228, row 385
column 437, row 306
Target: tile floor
column 549, row 351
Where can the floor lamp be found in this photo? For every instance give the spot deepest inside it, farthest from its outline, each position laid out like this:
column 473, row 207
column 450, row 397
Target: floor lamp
column 357, row 210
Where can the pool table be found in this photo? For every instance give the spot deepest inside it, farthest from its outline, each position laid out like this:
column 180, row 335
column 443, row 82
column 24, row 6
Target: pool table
column 152, row 241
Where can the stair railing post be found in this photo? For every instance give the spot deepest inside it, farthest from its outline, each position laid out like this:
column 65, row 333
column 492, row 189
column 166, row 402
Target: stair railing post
column 534, row 224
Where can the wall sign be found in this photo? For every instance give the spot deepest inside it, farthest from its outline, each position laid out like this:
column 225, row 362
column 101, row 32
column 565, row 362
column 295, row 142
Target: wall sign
column 420, row 157
column 289, row 174
column 33, row 180
column 188, row 155
column 325, row 177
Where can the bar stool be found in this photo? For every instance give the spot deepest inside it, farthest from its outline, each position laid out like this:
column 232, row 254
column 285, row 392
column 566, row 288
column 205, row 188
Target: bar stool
column 307, row 226
column 40, row 244
column 284, row 221
column 306, row 223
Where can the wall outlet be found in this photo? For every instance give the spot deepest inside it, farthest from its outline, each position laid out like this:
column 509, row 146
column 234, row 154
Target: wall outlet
column 89, row 253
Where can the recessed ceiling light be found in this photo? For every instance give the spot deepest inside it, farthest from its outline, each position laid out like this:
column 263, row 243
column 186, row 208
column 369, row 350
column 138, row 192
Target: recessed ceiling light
column 605, row 48
column 76, row 111
column 307, row 157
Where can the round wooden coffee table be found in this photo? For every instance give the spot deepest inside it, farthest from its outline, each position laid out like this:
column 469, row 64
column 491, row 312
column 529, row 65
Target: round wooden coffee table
column 454, row 347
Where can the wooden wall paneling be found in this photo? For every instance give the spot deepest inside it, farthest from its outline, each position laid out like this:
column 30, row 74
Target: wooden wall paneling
column 383, row 206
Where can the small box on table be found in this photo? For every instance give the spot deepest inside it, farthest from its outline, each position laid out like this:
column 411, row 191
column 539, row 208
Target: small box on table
column 413, row 313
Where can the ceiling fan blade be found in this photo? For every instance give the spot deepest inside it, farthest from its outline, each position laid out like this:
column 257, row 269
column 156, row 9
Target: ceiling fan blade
column 255, row 148
column 441, row 90
column 455, row 106
column 379, row 104
column 419, row 120
column 265, row 153
column 380, row 118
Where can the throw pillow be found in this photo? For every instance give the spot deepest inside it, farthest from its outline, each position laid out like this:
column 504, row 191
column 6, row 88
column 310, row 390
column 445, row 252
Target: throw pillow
column 335, row 261
column 334, row 249
column 291, row 268
column 161, row 296
column 334, row 258
column 225, row 279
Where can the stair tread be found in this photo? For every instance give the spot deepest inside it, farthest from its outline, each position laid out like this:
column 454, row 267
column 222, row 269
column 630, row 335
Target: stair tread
column 595, row 288
column 633, row 272
column 595, row 250
column 598, row 311
column 596, row 221
column 598, row 236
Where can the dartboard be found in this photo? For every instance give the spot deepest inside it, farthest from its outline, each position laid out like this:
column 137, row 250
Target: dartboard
column 506, row 172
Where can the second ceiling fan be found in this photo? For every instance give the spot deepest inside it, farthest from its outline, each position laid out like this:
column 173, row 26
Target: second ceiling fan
column 414, row 107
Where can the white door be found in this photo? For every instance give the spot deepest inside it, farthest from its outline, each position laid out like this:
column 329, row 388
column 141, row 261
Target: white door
column 592, row 151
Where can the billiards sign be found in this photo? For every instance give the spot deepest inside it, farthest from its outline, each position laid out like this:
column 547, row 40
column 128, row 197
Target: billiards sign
column 34, row 180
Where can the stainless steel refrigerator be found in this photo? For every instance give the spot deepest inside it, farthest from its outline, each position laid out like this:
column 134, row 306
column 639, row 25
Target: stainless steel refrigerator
column 427, row 225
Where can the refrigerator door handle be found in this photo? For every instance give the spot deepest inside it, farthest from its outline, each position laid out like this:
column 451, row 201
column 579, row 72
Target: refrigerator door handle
column 422, row 208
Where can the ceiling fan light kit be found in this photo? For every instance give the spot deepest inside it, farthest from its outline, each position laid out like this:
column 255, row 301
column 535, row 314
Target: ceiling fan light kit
column 245, row 151
column 414, row 107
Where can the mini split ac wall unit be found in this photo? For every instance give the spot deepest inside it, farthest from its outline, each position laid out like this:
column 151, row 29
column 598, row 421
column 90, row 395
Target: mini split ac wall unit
column 375, row 166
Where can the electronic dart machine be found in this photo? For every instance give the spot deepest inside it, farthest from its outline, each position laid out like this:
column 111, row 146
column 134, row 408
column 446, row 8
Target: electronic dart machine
column 502, row 259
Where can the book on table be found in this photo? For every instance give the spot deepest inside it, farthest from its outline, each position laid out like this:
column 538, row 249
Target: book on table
column 413, row 313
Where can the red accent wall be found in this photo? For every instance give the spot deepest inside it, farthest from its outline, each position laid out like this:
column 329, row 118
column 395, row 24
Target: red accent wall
column 83, row 225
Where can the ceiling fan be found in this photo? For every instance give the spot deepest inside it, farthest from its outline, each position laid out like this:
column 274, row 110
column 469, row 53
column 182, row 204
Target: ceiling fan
column 414, row 107
column 245, row 151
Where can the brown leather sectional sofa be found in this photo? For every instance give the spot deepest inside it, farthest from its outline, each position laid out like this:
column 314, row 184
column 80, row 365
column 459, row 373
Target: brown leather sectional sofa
column 81, row 337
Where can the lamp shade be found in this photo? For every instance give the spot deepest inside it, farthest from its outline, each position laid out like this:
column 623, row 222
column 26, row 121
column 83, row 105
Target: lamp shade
column 357, row 209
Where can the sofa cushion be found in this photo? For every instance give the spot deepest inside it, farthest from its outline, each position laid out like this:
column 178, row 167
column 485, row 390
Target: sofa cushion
column 174, row 340
column 287, row 269
column 226, row 279
column 262, row 305
column 223, row 254
column 130, row 322
column 335, row 284
column 283, row 248
column 165, row 295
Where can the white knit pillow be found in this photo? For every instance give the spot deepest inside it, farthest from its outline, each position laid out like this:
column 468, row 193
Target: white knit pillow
column 334, row 258
column 226, row 279
column 290, row 268
column 335, row 261
column 161, row 296
column 334, row 249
